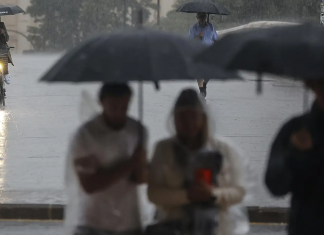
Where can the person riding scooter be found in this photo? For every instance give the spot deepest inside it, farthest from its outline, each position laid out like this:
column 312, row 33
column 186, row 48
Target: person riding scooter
column 5, row 49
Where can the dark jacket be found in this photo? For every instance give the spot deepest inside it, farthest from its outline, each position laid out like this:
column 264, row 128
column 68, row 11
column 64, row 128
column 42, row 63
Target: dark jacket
column 4, row 38
column 300, row 173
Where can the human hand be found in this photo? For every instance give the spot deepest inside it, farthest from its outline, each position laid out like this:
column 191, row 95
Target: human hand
column 200, row 192
column 302, row 140
column 139, row 157
column 140, row 175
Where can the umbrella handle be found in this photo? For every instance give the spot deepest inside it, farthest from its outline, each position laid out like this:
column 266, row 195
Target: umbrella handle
column 306, row 98
column 259, row 84
column 140, row 112
column 140, row 15
column 207, row 18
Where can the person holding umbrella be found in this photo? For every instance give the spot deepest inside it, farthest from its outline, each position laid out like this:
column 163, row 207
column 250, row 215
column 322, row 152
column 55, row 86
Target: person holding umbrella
column 206, row 33
column 95, row 200
column 4, row 38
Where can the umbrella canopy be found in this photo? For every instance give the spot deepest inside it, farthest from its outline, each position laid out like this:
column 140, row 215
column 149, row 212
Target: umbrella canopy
column 294, row 51
column 203, row 6
column 138, row 55
column 10, row 10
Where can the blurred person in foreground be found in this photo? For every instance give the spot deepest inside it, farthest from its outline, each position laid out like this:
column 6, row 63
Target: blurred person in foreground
column 4, row 49
column 169, row 188
column 206, row 33
column 106, row 162
column 296, row 166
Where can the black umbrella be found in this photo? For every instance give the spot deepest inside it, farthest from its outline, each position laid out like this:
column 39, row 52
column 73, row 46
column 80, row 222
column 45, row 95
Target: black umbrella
column 203, row 6
column 134, row 55
column 138, row 55
column 294, row 51
column 10, row 10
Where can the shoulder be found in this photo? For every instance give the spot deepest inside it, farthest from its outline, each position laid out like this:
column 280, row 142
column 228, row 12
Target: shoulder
column 292, row 125
column 211, row 25
column 226, row 147
column 162, row 152
column 87, row 127
column 295, row 122
column 231, row 153
column 194, row 26
column 224, row 143
column 134, row 125
column 80, row 136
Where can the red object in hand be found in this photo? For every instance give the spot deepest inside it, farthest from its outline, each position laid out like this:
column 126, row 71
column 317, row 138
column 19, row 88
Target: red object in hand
column 204, row 175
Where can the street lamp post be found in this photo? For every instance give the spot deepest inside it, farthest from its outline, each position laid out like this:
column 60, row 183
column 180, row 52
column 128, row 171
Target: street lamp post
column 158, row 12
column 322, row 13
column 125, row 13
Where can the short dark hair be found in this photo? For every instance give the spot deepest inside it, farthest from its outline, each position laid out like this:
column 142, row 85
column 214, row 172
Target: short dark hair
column 114, row 90
column 202, row 14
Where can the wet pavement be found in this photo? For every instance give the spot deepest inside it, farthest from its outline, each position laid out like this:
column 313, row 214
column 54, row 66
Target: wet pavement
column 56, row 228
column 39, row 118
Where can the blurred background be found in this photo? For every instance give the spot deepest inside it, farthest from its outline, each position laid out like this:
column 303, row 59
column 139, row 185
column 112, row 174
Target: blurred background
column 56, row 25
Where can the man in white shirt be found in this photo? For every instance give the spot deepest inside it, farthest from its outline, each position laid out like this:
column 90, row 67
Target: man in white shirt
column 107, row 160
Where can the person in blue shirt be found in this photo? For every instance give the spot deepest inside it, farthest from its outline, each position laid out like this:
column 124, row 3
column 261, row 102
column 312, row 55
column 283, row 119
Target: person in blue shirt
column 206, row 33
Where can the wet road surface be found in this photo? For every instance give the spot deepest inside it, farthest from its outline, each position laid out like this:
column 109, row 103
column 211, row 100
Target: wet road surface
column 56, row 228
column 39, row 118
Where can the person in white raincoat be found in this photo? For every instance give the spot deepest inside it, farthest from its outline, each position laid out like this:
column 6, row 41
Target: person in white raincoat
column 105, row 164
column 166, row 179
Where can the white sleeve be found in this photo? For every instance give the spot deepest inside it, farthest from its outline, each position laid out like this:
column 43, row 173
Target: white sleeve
column 79, row 150
column 234, row 190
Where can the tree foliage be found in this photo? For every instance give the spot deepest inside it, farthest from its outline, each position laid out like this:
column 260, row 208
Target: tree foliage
column 64, row 24
column 245, row 11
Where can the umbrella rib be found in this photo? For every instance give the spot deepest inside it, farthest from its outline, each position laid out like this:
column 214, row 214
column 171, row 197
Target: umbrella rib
column 150, row 56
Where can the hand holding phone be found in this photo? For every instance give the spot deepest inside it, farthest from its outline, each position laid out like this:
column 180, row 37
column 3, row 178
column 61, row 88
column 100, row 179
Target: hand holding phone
column 204, row 175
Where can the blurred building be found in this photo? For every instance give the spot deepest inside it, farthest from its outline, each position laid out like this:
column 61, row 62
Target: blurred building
column 20, row 24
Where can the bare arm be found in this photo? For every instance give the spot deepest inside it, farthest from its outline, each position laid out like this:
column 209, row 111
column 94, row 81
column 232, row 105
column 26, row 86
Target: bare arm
column 140, row 174
column 101, row 178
